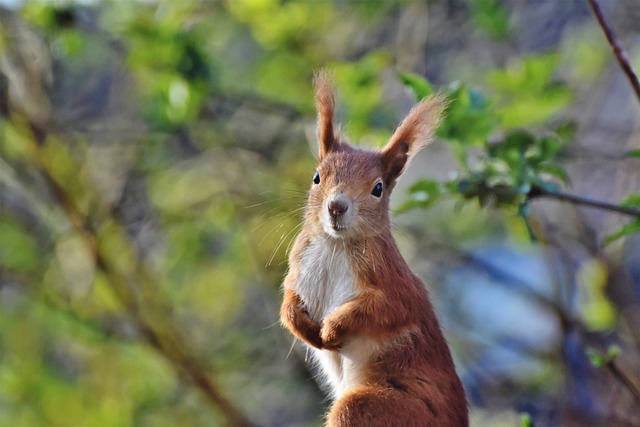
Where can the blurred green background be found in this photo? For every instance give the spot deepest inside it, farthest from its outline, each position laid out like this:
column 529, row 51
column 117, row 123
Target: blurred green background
column 154, row 161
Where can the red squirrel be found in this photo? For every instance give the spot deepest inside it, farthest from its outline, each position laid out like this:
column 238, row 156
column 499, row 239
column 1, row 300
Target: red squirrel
column 352, row 298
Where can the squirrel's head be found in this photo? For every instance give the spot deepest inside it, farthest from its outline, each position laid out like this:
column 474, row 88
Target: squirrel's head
column 349, row 196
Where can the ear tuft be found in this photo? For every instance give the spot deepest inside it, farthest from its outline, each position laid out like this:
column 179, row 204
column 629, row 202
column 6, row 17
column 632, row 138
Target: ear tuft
column 415, row 132
column 325, row 105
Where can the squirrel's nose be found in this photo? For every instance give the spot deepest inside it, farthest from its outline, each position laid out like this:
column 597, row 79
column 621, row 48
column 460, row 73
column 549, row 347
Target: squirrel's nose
column 337, row 208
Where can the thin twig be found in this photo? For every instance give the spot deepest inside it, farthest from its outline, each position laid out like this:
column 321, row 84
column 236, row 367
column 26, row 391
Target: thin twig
column 619, row 52
column 579, row 200
column 622, row 377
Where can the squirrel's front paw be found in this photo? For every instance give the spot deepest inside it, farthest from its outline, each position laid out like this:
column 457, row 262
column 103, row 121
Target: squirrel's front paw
column 332, row 335
column 294, row 314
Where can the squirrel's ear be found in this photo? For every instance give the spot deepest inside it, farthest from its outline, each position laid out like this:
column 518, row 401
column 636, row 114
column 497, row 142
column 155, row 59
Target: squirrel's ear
column 325, row 105
column 415, row 132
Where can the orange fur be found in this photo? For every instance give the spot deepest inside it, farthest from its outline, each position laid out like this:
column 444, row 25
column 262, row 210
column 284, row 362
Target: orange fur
column 352, row 298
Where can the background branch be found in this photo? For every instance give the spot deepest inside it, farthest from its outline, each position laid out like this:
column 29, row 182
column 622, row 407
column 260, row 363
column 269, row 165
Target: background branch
column 157, row 329
column 619, row 52
column 537, row 192
column 624, row 379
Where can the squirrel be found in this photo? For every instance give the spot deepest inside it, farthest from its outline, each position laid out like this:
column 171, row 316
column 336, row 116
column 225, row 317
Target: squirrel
column 350, row 295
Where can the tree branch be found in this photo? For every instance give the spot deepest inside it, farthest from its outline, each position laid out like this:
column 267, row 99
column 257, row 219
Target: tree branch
column 619, row 52
column 579, row 200
column 167, row 341
column 626, row 381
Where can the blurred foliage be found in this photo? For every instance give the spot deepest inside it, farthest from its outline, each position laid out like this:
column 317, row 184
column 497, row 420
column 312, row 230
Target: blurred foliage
column 511, row 163
column 491, row 17
column 514, row 165
column 600, row 360
column 153, row 174
column 526, row 421
column 631, row 201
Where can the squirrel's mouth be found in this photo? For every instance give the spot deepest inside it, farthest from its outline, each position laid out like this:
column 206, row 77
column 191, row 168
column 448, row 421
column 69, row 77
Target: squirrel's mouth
column 335, row 227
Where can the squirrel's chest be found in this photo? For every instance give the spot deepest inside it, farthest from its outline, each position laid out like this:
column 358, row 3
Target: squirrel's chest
column 326, row 278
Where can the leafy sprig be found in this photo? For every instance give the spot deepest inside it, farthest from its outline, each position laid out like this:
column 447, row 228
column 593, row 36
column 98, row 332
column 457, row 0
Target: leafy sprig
column 509, row 167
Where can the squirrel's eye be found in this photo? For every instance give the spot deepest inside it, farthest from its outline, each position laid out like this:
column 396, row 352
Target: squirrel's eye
column 377, row 190
column 316, row 178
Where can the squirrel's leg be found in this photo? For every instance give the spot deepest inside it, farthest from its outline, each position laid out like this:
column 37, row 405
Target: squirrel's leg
column 294, row 315
column 380, row 407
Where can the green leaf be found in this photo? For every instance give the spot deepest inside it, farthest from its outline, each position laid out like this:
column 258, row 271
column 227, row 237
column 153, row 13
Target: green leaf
column 527, row 91
column 632, row 153
column 468, row 119
column 511, row 150
column 529, row 75
column 430, row 186
column 613, row 351
column 526, row 420
column 491, row 17
column 565, row 131
column 553, row 170
column 549, row 146
column 516, row 141
column 527, row 110
column 424, row 194
column 519, row 139
column 631, row 201
column 599, row 359
column 596, row 358
column 418, row 84
column 631, row 228
column 498, row 166
column 499, row 180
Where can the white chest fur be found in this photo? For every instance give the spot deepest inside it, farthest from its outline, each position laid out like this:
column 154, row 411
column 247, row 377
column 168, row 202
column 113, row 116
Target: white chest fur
column 326, row 282
column 326, row 279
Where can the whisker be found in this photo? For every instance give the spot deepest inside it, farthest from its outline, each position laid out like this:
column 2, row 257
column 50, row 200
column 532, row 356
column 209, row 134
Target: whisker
column 282, row 239
column 291, row 241
column 275, row 229
column 271, row 325
column 285, row 214
column 262, row 217
column 273, row 200
column 293, row 344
